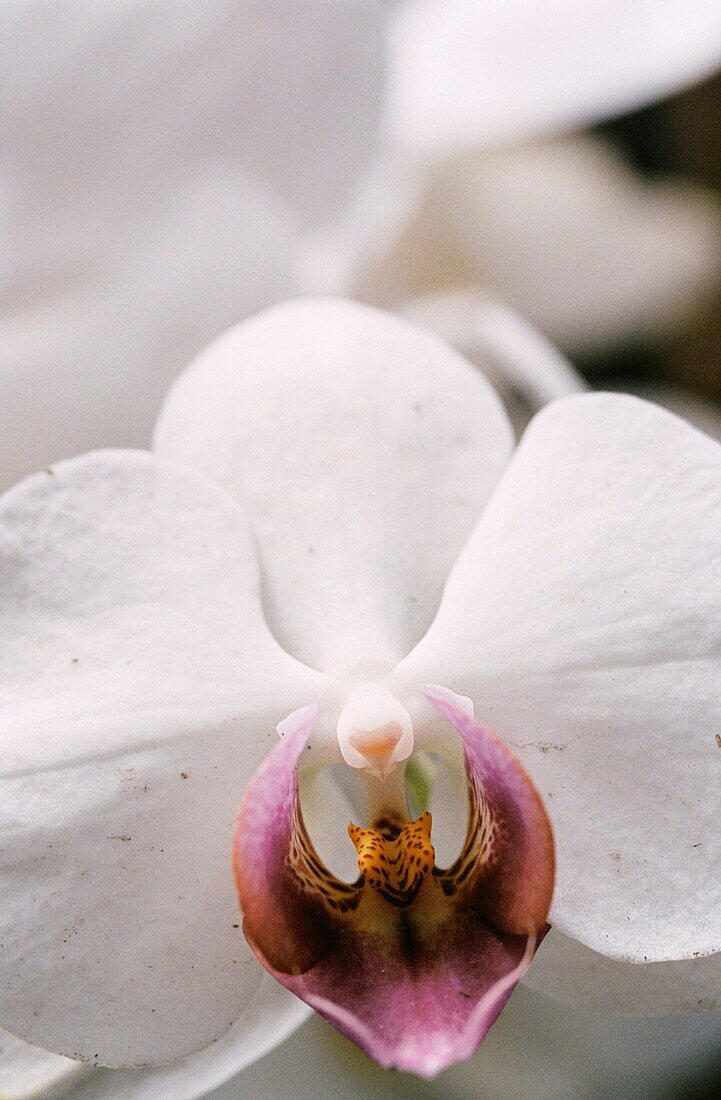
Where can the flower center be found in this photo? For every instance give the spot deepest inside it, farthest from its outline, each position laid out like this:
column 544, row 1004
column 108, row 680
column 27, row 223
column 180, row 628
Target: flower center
column 394, row 858
column 374, row 731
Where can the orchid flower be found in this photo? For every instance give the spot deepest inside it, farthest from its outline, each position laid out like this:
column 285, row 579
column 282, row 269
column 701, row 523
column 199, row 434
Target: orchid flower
column 569, row 591
column 484, row 189
column 113, row 279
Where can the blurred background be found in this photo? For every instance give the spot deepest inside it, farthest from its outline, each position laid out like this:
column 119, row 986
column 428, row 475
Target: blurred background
column 680, row 136
column 168, row 169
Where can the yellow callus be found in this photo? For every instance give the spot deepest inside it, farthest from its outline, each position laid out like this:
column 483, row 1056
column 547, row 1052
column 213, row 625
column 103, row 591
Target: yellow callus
column 395, row 859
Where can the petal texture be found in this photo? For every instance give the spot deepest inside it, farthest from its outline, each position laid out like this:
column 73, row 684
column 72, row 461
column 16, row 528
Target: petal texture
column 271, row 1015
column 466, row 74
column 363, row 448
column 583, row 619
column 140, row 687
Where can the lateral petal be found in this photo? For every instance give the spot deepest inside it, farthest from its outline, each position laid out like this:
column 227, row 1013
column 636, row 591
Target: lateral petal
column 583, row 618
column 270, row 1016
column 140, row 688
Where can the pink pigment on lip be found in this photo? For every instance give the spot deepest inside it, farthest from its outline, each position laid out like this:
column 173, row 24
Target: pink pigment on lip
column 412, row 962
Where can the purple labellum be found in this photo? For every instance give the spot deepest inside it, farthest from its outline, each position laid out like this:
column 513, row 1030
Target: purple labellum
column 412, row 962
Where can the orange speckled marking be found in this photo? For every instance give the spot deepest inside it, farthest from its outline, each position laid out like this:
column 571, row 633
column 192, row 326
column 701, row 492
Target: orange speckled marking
column 395, row 860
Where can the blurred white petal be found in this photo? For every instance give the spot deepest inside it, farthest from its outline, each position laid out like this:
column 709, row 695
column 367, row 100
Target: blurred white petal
column 155, row 173
column 579, row 976
column 86, row 364
column 565, row 232
column 382, row 246
column 579, row 243
column 470, row 73
column 109, row 107
column 612, row 1054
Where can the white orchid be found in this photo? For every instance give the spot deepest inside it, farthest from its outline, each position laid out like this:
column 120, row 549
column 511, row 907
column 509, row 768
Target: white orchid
column 155, row 183
column 484, row 189
column 141, row 683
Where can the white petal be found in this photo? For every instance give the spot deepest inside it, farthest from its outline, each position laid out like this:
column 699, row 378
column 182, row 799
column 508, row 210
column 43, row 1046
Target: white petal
column 525, row 368
column 140, row 690
column 464, row 73
column 570, row 972
column 583, row 620
column 702, row 412
column 363, row 448
column 579, row 243
column 535, row 1051
column 270, row 1017
column 286, row 91
column 29, row 1073
column 85, row 363
column 618, row 1056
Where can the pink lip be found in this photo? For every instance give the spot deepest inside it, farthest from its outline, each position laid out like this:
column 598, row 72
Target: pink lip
column 415, row 982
